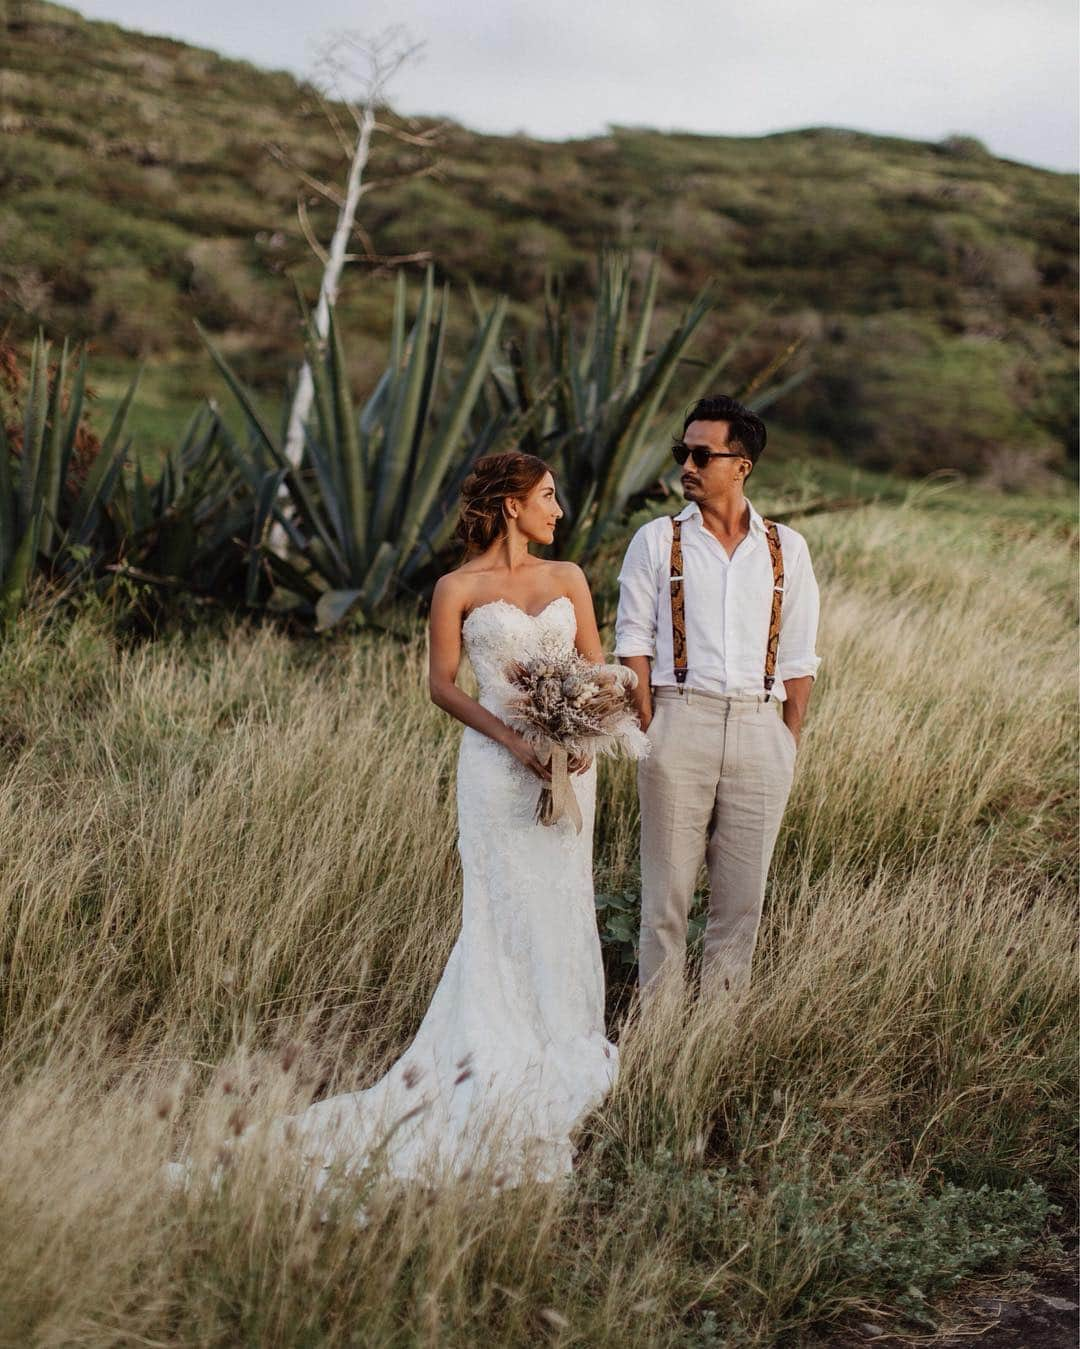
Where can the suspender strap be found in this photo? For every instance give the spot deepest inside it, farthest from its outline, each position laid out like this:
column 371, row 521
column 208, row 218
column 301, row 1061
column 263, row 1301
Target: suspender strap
column 678, row 606
column 772, row 531
column 678, row 603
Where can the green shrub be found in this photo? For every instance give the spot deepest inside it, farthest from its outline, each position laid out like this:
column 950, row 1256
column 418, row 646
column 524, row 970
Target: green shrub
column 919, row 399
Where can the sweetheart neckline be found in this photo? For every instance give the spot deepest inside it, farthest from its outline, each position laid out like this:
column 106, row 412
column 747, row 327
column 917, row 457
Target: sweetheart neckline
column 511, row 605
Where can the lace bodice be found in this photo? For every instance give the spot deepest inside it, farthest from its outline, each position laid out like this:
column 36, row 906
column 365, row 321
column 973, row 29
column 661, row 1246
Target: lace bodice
column 498, row 632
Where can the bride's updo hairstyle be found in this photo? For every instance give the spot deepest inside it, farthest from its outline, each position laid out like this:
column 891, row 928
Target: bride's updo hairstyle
column 483, row 493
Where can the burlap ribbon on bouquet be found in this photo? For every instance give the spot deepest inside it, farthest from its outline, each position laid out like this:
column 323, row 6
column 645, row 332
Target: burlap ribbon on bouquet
column 557, row 799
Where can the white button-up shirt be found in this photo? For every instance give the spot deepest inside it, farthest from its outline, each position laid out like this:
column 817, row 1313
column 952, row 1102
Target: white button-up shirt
column 728, row 602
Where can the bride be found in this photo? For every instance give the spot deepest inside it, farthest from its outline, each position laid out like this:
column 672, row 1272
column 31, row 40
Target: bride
column 511, row 1052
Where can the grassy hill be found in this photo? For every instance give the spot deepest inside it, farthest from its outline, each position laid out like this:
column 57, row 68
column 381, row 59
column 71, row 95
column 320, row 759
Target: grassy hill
column 935, row 285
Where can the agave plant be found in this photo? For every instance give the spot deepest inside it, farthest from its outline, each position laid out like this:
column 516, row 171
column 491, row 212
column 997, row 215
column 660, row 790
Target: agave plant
column 47, row 521
column 372, row 500
column 370, row 509
column 195, row 527
column 68, row 513
column 606, row 431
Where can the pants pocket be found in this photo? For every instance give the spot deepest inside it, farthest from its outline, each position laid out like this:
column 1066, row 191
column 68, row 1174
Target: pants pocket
column 787, row 735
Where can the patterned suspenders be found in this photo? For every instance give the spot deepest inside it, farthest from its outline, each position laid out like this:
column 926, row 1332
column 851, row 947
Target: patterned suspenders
column 678, row 607
column 678, row 604
column 772, row 530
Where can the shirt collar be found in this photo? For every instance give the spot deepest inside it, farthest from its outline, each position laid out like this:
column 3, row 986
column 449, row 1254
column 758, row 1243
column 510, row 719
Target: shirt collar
column 692, row 511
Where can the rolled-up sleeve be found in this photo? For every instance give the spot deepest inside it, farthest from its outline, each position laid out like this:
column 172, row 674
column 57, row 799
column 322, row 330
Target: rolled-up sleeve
column 796, row 654
column 635, row 623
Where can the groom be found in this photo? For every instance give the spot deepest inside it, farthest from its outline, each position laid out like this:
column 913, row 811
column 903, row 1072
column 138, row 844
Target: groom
column 718, row 613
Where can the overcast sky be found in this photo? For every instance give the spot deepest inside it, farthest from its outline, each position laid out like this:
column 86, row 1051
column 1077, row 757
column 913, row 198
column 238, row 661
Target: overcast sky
column 1002, row 70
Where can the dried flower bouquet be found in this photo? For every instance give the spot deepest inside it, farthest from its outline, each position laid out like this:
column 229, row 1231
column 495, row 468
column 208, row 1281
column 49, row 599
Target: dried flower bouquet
column 565, row 706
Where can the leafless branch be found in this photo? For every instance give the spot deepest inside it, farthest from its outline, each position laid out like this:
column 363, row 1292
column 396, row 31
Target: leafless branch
column 425, row 139
column 345, row 141
column 426, row 171
column 326, row 190
column 390, row 259
column 308, row 232
column 379, row 57
column 368, row 64
column 365, row 239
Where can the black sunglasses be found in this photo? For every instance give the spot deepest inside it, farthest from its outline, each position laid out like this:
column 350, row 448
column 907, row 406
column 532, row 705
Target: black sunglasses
column 700, row 455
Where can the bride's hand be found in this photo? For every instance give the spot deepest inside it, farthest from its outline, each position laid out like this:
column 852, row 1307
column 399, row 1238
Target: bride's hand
column 579, row 763
column 526, row 754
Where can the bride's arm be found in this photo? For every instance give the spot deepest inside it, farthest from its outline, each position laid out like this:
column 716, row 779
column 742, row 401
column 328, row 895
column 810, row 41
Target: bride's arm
column 587, row 640
column 444, row 659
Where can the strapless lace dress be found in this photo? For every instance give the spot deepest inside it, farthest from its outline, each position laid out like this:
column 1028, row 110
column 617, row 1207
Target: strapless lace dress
column 511, row 1053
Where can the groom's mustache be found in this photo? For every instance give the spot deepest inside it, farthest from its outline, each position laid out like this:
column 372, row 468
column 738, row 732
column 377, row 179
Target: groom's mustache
column 690, row 482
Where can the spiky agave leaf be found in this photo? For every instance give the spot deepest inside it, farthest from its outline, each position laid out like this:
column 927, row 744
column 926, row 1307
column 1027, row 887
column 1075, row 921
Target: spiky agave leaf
column 99, row 481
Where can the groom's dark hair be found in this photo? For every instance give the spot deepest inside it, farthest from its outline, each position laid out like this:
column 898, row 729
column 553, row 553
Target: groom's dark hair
column 746, row 430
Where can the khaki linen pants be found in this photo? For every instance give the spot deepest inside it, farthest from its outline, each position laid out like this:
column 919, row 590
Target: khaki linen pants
column 715, row 785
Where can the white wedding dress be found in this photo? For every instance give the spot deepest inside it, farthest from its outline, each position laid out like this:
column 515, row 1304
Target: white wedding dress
column 511, row 1052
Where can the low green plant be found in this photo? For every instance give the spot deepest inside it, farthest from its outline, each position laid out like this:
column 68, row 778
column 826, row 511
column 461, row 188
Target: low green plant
column 812, row 1229
column 619, row 919
column 373, row 503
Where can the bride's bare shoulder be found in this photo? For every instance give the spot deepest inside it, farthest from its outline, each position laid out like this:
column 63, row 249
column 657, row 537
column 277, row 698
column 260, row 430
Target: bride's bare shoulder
column 455, row 591
column 450, row 590
column 569, row 576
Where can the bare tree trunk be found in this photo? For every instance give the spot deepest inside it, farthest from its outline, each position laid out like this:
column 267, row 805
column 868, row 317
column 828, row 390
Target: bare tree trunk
column 294, row 439
column 380, row 58
column 328, row 291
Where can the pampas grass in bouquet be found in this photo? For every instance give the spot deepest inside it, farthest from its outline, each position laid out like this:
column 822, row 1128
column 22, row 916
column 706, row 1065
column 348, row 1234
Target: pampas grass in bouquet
column 565, row 706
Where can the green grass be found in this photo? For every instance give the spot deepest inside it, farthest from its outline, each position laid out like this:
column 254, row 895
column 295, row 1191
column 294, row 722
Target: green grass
column 168, row 394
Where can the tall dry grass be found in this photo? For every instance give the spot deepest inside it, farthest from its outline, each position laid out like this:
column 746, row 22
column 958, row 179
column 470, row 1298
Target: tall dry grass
column 228, row 883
